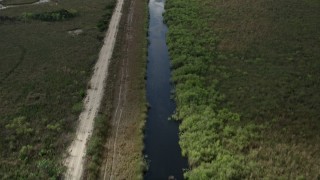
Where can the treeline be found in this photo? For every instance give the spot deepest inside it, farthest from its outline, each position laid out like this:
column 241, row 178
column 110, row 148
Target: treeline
column 211, row 136
column 58, row 15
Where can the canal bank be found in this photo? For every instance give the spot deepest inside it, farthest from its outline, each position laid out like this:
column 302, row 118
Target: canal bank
column 125, row 100
column 162, row 151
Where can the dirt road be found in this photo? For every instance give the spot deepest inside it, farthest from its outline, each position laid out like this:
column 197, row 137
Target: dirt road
column 77, row 150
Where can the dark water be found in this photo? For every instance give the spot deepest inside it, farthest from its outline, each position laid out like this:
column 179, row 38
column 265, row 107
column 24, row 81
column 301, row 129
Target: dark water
column 161, row 136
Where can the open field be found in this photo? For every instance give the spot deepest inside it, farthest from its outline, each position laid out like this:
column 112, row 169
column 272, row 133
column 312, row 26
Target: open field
column 247, row 87
column 44, row 70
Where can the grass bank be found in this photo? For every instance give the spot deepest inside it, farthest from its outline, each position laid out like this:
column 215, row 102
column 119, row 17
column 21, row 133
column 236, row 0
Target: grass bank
column 135, row 113
column 246, row 87
column 44, row 70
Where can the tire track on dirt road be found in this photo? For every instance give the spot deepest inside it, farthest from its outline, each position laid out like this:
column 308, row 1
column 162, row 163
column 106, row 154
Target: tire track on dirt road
column 77, row 150
column 111, row 158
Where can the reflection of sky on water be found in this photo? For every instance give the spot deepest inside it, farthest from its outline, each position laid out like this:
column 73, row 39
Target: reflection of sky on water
column 156, row 24
column 161, row 136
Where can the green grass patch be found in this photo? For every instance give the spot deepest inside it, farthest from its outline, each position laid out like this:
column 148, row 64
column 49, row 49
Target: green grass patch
column 95, row 148
column 77, row 108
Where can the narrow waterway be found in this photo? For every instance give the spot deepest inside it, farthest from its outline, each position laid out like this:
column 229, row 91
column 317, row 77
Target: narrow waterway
column 161, row 136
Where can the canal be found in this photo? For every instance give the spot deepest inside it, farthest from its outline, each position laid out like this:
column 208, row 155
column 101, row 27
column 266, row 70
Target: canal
column 162, row 150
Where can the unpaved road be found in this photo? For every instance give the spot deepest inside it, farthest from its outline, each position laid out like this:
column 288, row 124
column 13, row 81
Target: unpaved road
column 77, row 150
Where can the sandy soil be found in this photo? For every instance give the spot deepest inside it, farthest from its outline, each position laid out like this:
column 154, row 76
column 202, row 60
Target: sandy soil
column 77, row 151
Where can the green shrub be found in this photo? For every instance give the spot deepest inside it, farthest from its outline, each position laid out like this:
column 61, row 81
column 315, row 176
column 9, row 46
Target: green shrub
column 210, row 134
column 25, row 152
column 103, row 23
column 20, row 127
column 77, row 107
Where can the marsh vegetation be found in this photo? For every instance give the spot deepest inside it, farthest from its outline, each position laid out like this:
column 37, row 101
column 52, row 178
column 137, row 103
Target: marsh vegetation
column 245, row 75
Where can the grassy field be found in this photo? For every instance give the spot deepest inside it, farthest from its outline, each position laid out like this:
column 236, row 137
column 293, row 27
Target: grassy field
column 246, row 87
column 44, row 71
column 272, row 57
